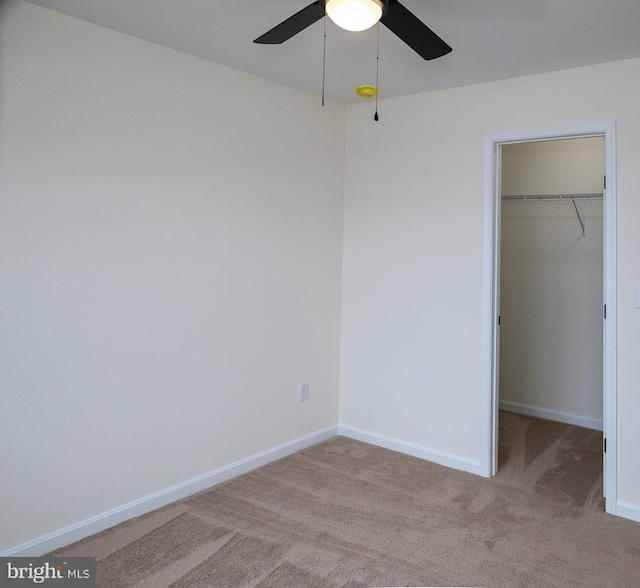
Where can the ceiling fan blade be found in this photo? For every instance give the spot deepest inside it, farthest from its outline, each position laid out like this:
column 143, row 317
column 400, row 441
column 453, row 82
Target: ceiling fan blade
column 414, row 32
column 293, row 25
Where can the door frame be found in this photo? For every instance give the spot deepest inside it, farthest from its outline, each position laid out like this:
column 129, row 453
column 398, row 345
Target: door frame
column 493, row 142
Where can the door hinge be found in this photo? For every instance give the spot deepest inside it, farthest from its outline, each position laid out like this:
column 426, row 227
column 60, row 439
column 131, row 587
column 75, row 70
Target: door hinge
column 604, row 183
column 499, row 317
column 604, row 445
column 605, row 312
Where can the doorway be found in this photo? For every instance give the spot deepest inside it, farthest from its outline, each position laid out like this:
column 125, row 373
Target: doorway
column 551, row 275
column 494, row 144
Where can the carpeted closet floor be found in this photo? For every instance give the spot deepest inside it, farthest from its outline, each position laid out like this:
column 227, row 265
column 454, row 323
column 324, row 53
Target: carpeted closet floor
column 559, row 461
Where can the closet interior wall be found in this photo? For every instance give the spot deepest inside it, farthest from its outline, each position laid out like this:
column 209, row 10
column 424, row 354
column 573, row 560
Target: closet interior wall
column 552, row 280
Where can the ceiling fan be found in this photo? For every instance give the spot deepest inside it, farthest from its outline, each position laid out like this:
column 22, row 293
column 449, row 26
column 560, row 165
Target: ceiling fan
column 358, row 15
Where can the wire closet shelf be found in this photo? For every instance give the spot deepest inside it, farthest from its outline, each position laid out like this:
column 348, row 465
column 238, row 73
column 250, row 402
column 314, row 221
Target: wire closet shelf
column 557, row 197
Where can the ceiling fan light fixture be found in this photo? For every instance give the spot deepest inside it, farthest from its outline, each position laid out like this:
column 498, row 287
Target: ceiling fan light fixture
column 354, row 15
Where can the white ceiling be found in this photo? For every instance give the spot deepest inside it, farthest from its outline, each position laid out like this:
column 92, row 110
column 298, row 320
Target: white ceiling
column 491, row 39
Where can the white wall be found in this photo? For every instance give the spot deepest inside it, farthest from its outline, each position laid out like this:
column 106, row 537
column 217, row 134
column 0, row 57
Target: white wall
column 551, row 282
column 412, row 281
column 569, row 166
column 170, row 252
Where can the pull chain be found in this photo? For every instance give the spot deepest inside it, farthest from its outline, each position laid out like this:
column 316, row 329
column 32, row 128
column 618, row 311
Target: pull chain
column 324, row 56
column 375, row 116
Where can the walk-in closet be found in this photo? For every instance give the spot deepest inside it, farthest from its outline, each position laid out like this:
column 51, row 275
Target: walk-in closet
column 551, row 291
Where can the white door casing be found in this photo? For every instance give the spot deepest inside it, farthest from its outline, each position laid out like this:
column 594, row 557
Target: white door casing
column 491, row 289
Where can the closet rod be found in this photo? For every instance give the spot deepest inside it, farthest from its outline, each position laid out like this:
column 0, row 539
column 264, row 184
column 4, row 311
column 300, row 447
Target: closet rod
column 572, row 197
column 594, row 196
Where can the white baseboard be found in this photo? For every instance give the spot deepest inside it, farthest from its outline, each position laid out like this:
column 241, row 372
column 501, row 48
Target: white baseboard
column 103, row 521
column 413, row 449
column 629, row 511
column 551, row 415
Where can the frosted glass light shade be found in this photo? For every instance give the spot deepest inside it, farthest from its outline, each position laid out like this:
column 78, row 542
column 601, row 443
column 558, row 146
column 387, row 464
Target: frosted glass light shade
column 354, row 15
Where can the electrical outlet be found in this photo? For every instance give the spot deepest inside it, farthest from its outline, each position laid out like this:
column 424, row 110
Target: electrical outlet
column 303, row 392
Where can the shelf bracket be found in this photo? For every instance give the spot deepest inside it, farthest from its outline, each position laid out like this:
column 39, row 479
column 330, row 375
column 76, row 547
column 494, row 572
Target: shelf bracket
column 575, row 206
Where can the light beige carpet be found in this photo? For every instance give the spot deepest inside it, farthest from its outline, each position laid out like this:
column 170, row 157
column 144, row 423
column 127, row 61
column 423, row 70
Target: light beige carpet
column 346, row 514
column 552, row 459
